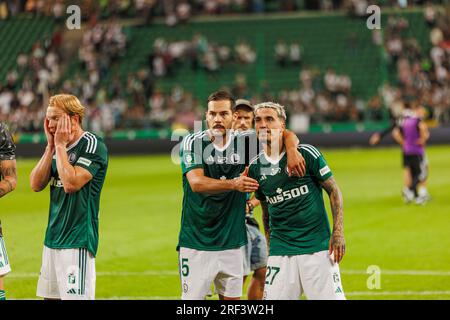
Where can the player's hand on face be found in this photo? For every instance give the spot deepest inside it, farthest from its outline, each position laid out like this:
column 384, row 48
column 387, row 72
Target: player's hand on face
column 48, row 134
column 337, row 246
column 296, row 165
column 63, row 131
column 245, row 184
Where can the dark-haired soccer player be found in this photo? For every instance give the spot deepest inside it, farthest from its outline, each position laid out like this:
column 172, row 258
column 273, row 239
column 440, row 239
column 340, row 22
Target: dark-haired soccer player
column 8, row 181
column 303, row 258
column 213, row 230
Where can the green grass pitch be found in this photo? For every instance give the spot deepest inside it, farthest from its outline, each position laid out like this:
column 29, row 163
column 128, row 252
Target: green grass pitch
column 140, row 214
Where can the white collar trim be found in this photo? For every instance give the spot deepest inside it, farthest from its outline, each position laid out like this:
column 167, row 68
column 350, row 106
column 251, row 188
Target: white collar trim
column 272, row 160
column 76, row 142
column 230, row 139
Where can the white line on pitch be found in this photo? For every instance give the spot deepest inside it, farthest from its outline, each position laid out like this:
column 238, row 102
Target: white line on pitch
column 175, row 273
column 397, row 293
column 355, row 293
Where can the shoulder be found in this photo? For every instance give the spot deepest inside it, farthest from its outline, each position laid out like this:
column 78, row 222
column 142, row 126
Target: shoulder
column 93, row 144
column 255, row 161
column 3, row 129
column 189, row 141
column 309, row 151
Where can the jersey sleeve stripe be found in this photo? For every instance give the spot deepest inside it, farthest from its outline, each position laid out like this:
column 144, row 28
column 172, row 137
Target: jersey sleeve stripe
column 187, row 143
column 88, row 142
column 312, row 153
column 314, row 149
column 94, row 143
column 199, row 135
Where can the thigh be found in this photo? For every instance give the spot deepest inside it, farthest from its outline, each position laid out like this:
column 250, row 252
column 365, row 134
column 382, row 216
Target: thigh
column 75, row 271
column 195, row 276
column 415, row 166
column 47, row 286
column 282, row 279
column 229, row 279
column 320, row 276
column 5, row 268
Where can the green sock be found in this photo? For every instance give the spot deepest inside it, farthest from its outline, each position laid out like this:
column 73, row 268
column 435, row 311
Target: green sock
column 2, row 295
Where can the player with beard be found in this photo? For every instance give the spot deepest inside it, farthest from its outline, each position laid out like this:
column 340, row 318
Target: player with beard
column 213, row 230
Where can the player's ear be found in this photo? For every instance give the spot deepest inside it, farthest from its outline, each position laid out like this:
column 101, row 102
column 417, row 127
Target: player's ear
column 75, row 120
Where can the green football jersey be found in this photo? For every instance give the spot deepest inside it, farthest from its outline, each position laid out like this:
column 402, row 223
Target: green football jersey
column 213, row 222
column 297, row 216
column 73, row 218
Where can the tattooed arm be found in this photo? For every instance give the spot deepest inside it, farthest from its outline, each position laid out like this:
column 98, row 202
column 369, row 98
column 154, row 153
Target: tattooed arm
column 337, row 241
column 9, row 177
column 265, row 219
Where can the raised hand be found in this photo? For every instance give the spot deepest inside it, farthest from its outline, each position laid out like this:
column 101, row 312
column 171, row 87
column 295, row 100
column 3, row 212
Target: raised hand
column 48, row 134
column 63, row 131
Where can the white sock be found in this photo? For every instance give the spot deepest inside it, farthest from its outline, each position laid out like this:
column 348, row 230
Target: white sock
column 423, row 192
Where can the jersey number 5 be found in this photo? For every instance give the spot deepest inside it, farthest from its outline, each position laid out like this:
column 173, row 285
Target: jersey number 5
column 184, row 267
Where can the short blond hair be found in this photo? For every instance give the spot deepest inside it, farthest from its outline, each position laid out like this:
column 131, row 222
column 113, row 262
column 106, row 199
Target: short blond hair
column 281, row 112
column 69, row 104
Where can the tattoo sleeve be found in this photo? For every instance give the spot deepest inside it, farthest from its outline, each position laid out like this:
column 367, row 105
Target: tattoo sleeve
column 336, row 202
column 8, row 177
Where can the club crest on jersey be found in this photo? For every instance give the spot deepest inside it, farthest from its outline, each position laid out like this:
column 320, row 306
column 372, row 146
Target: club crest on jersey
column 72, row 158
column 235, row 158
column 189, row 159
column 71, row 279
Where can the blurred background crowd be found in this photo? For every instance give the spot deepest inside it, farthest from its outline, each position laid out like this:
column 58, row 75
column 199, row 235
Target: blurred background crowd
column 138, row 101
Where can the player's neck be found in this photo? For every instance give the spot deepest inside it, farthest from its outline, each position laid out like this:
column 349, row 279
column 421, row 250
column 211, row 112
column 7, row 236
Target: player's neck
column 220, row 141
column 272, row 150
column 76, row 136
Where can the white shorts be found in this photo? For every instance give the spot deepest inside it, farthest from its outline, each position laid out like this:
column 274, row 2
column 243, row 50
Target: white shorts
column 67, row 274
column 5, row 268
column 200, row 269
column 315, row 275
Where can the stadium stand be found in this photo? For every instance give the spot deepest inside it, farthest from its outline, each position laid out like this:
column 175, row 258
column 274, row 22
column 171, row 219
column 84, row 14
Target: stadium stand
column 155, row 77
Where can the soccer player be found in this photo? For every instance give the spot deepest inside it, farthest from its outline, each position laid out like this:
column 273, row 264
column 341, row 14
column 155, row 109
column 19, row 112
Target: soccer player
column 255, row 258
column 412, row 134
column 8, row 181
column 74, row 164
column 303, row 258
column 213, row 230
